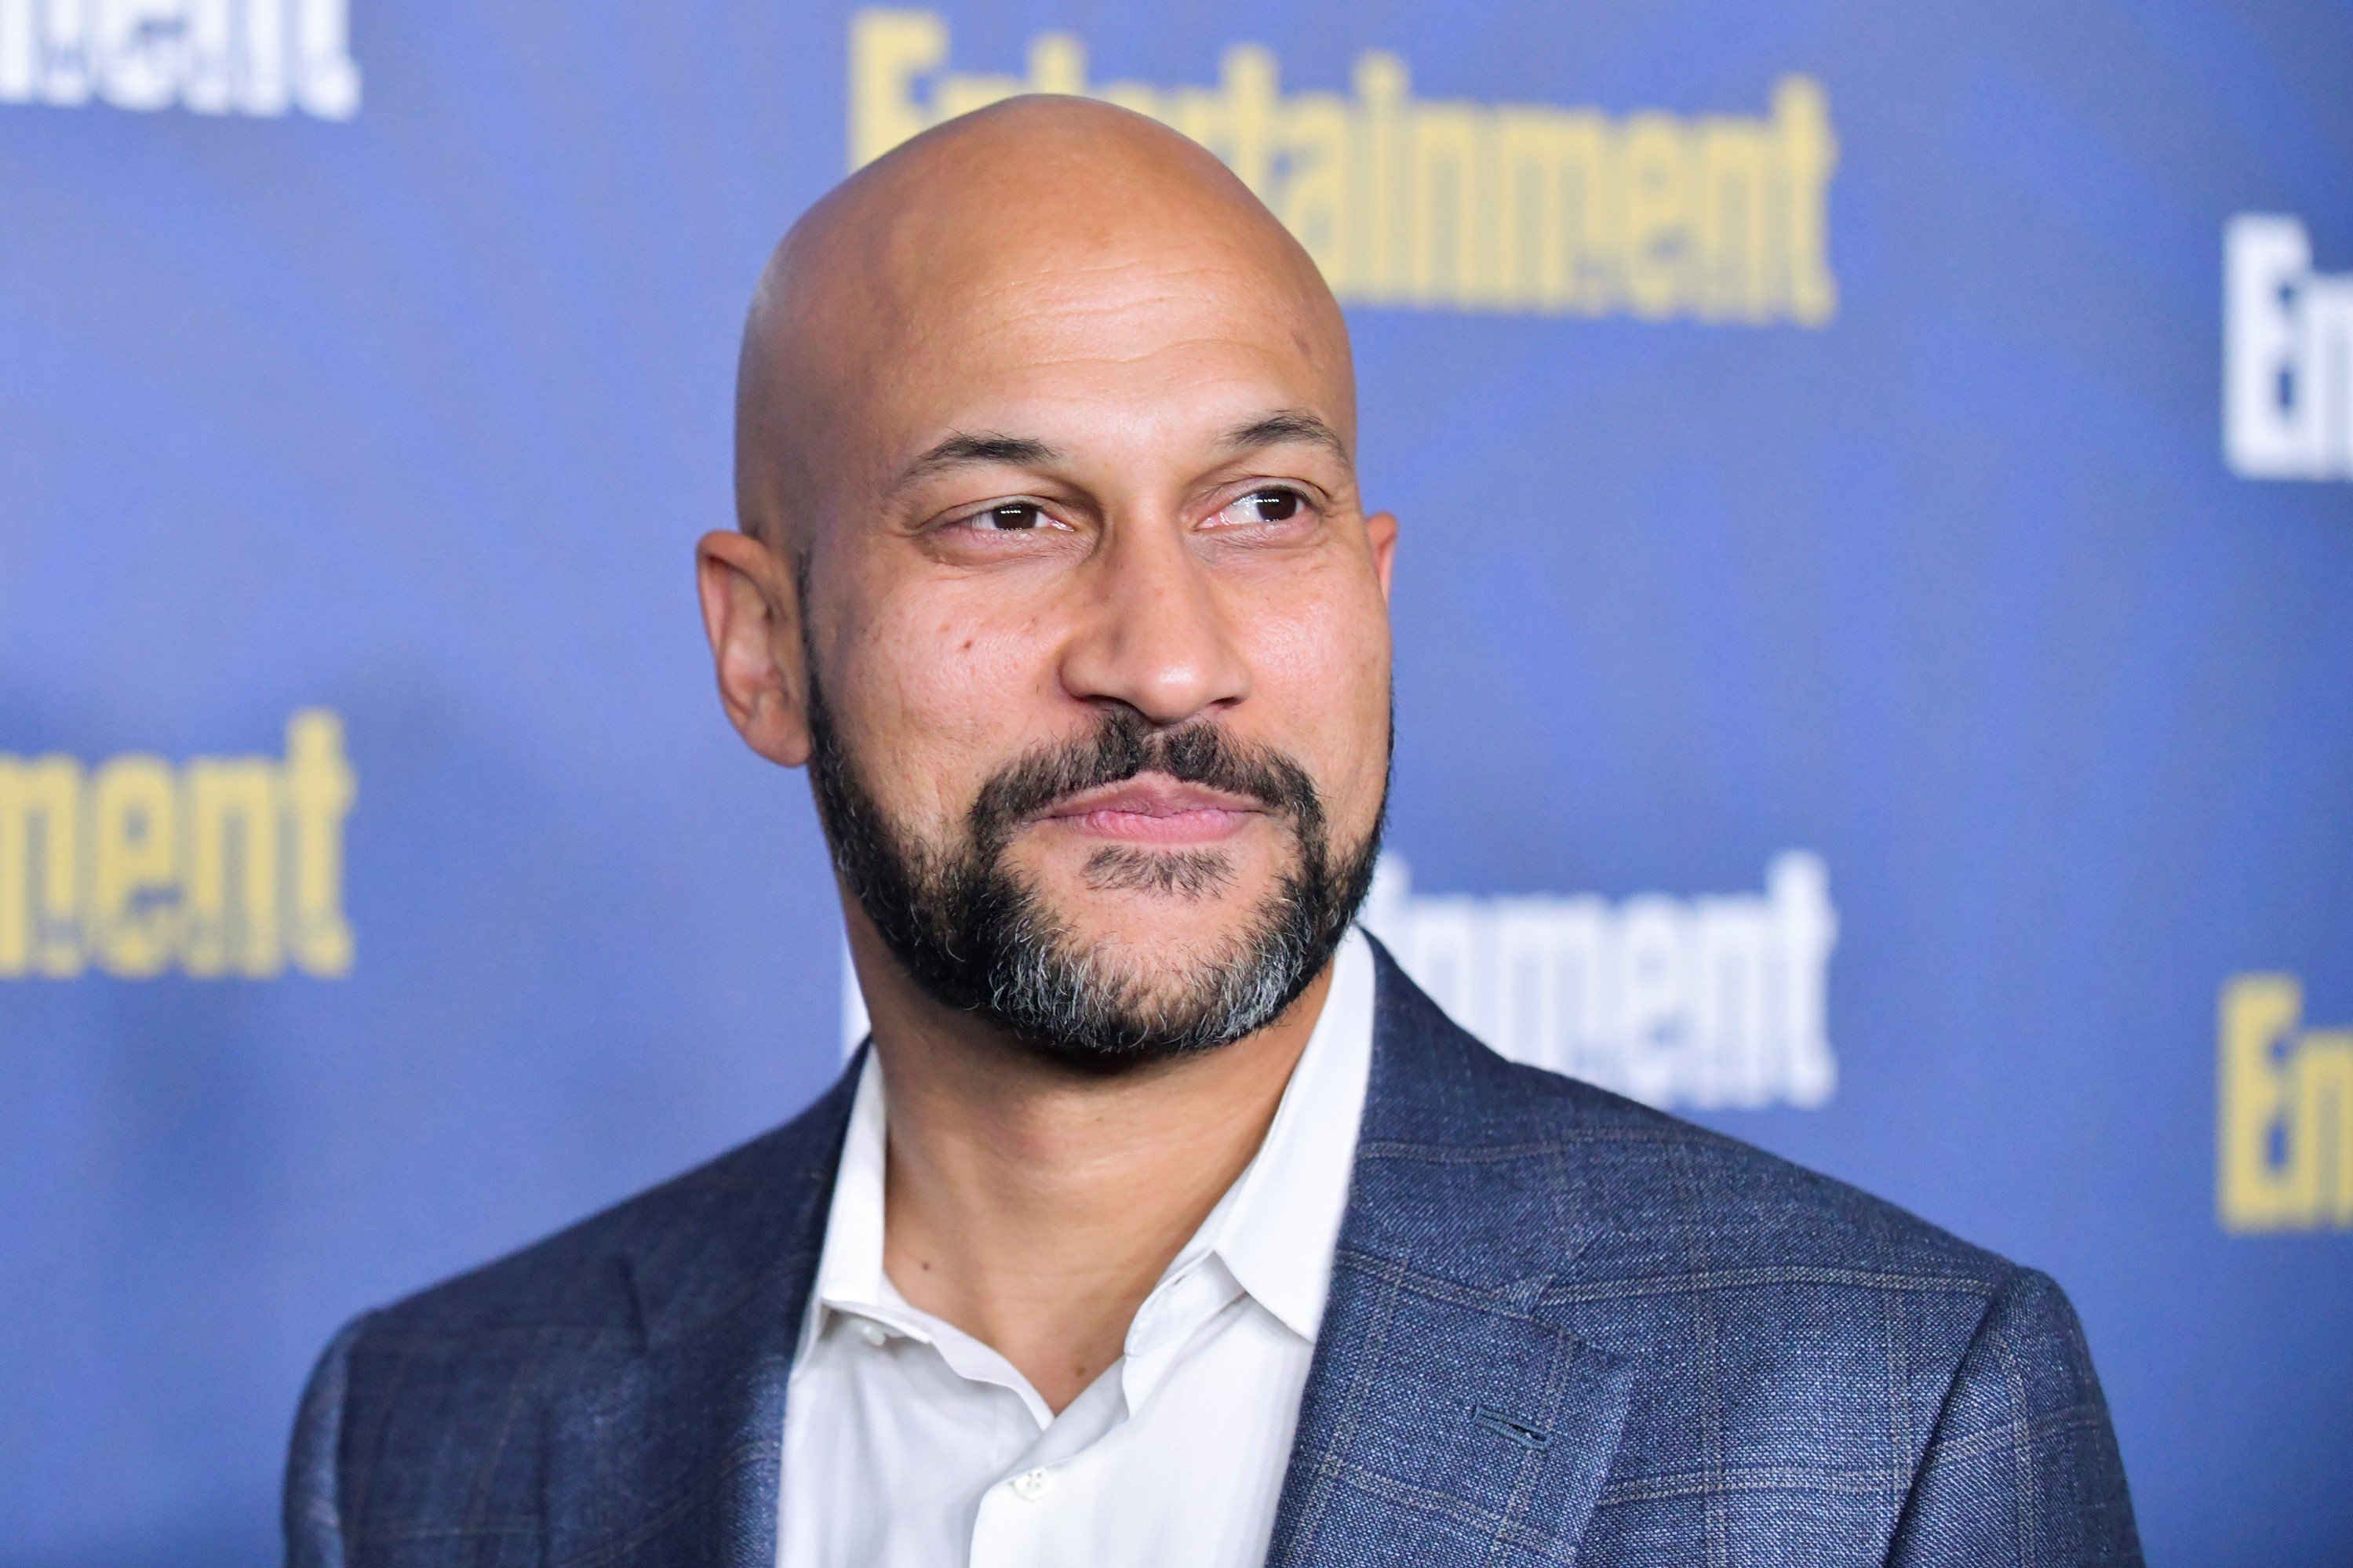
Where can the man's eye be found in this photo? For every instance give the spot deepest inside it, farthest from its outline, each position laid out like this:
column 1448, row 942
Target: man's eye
column 1269, row 506
column 1012, row 517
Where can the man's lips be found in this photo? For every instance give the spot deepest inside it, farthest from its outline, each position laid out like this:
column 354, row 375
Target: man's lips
column 1148, row 810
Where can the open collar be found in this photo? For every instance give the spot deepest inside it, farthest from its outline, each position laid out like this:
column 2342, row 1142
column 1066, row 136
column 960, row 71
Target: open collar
column 1273, row 1230
column 1447, row 1404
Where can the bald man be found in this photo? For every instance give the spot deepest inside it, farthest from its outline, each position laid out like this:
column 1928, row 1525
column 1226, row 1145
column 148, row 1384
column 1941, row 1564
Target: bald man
column 1160, row 1221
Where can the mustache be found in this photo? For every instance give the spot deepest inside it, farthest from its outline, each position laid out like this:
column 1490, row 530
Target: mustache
column 1125, row 744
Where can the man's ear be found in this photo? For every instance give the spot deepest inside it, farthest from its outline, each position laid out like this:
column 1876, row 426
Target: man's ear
column 1381, row 531
column 751, row 612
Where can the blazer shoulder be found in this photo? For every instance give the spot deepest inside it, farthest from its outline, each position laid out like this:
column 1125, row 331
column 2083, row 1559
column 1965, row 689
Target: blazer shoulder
column 1685, row 1196
column 419, row 1413
column 735, row 1214
column 1750, row 1202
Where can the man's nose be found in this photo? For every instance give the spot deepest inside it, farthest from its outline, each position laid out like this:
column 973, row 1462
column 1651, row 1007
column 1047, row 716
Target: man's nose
column 1153, row 634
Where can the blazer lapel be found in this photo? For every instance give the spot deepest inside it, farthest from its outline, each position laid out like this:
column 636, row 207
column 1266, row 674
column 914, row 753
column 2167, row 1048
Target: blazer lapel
column 1442, row 1426
column 675, row 1459
column 1450, row 1416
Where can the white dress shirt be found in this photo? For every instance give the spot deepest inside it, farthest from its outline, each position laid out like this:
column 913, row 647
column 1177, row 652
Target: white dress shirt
column 909, row 1444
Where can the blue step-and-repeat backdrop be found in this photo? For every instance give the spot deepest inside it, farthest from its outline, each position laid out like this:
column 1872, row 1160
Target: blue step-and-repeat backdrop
column 1874, row 622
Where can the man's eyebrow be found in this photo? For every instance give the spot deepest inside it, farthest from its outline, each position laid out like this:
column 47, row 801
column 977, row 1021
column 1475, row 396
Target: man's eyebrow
column 968, row 447
column 1283, row 426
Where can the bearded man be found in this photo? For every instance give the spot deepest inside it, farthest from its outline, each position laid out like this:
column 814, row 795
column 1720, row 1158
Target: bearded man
column 1162, row 1221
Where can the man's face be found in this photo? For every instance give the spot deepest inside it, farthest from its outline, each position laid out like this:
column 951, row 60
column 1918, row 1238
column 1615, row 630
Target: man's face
column 1098, row 648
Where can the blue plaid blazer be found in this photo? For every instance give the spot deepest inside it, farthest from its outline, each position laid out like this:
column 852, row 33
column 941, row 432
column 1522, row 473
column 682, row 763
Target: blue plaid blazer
column 1563, row 1330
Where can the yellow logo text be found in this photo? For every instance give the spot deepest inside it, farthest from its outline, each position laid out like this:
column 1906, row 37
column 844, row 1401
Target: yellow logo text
column 2286, row 1123
column 224, row 866
column 1444, row 203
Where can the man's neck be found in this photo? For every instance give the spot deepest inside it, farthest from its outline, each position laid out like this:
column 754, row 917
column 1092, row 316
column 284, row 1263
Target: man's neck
column 1035, row 1205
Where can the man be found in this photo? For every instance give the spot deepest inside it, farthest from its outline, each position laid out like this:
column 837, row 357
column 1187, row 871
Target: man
column 1162, row 1221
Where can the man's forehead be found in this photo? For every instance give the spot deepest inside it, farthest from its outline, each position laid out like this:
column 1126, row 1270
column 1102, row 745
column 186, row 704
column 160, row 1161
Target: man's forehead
column 1011, row 265
column 1141, row 296
column 1192, row 378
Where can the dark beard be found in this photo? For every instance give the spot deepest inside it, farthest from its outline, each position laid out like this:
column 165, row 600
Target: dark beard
column 977, row 936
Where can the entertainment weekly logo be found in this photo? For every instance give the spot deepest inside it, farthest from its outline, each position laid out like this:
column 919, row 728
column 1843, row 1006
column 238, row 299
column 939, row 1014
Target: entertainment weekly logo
column 1708, row 1002
column 218, row 867
column 2283, row 1158
column 1447, row 202
column 2287, row 355
column 258, row 57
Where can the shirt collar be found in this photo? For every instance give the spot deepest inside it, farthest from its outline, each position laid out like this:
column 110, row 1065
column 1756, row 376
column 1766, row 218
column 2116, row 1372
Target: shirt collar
column 849, row 1276
column 1275, row 1230
column 1278, row 1225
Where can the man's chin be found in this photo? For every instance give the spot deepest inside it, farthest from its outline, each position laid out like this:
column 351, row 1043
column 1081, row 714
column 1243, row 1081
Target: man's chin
column 1146, row 1005
column 1168, row 973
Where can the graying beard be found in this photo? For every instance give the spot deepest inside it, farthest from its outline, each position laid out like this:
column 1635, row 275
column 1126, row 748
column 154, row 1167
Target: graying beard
column 1058, row 995
column 977, row 936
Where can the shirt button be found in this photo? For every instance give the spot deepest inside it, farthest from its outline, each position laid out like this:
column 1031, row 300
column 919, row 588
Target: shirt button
column 872, row 1332
column 1032, row 1485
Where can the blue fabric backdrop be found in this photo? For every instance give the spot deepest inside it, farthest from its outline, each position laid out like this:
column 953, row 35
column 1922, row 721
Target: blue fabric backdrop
column 1833, row 462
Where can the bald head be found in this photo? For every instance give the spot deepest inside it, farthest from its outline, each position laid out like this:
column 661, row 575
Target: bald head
column 1037, row 227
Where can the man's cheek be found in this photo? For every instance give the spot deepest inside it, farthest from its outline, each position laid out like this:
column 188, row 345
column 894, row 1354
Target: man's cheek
column 938, row 735
column 1320, row 660
column 986, row 698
